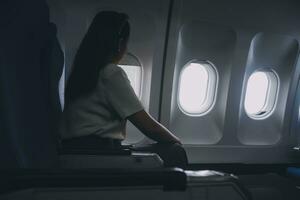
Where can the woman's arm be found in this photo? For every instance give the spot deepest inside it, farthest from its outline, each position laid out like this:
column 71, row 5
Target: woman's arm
column 151, row 128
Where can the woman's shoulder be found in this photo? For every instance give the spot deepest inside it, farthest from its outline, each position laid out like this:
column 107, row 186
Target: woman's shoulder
column 110, row 70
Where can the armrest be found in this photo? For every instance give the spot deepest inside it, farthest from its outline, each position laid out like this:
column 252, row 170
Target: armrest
column 93, row 145
column 168, row 178
column 208, row 177
column 87, row 151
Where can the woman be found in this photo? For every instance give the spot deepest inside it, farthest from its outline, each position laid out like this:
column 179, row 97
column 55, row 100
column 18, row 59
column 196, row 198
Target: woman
column 99, row 98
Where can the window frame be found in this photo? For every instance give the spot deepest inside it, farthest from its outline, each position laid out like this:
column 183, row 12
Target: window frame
column 212, row 83
column 271, row 94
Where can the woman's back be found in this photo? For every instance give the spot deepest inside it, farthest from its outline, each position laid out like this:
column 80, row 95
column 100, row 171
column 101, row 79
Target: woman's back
column 102, row 112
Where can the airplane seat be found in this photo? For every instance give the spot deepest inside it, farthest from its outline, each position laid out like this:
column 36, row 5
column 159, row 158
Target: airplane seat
column 88, row 157
column 52, row 63
column 25, row 141
column 121, row 184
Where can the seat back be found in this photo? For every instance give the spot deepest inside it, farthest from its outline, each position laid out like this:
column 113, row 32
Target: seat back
column 52, row 62
column 26, row 140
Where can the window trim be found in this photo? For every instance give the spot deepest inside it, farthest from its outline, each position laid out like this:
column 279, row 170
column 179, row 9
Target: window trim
column 211, row 69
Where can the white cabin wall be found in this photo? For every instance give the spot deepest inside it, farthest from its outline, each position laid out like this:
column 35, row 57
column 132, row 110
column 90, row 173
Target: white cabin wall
column 241, row 139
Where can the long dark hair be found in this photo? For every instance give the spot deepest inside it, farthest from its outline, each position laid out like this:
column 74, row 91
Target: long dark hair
column 99, row 47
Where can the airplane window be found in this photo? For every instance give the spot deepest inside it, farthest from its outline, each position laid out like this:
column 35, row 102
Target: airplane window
column 134, row 74
column 261, row 94
column 197, row 88
column 133, row 68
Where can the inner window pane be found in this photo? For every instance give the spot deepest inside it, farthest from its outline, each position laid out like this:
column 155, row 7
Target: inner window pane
column 257, row 93
column 193, row 88
column 134, row 74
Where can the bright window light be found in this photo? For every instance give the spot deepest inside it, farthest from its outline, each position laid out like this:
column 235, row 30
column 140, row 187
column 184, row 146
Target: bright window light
column 134, row 74
column 261, row 94
column 197, row 88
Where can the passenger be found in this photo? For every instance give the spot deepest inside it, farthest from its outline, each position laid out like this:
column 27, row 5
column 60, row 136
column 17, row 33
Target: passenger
column 99, row 98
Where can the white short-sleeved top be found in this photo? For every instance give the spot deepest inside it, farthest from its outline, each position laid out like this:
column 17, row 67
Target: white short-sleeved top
column 104, row 111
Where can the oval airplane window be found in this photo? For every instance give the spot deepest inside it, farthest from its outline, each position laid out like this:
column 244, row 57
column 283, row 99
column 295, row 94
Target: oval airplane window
column 133, row 69
column 261, row 94
column 197, row 88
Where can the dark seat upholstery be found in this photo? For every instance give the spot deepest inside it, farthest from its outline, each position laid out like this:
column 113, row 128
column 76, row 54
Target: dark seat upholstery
column 169, row 179
column 26, row 140
column 213, row 185
column 52, row 62
column 88, row 151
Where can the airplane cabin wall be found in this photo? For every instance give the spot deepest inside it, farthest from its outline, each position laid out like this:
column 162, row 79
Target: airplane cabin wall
column 263, row 35
column 236, row 38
